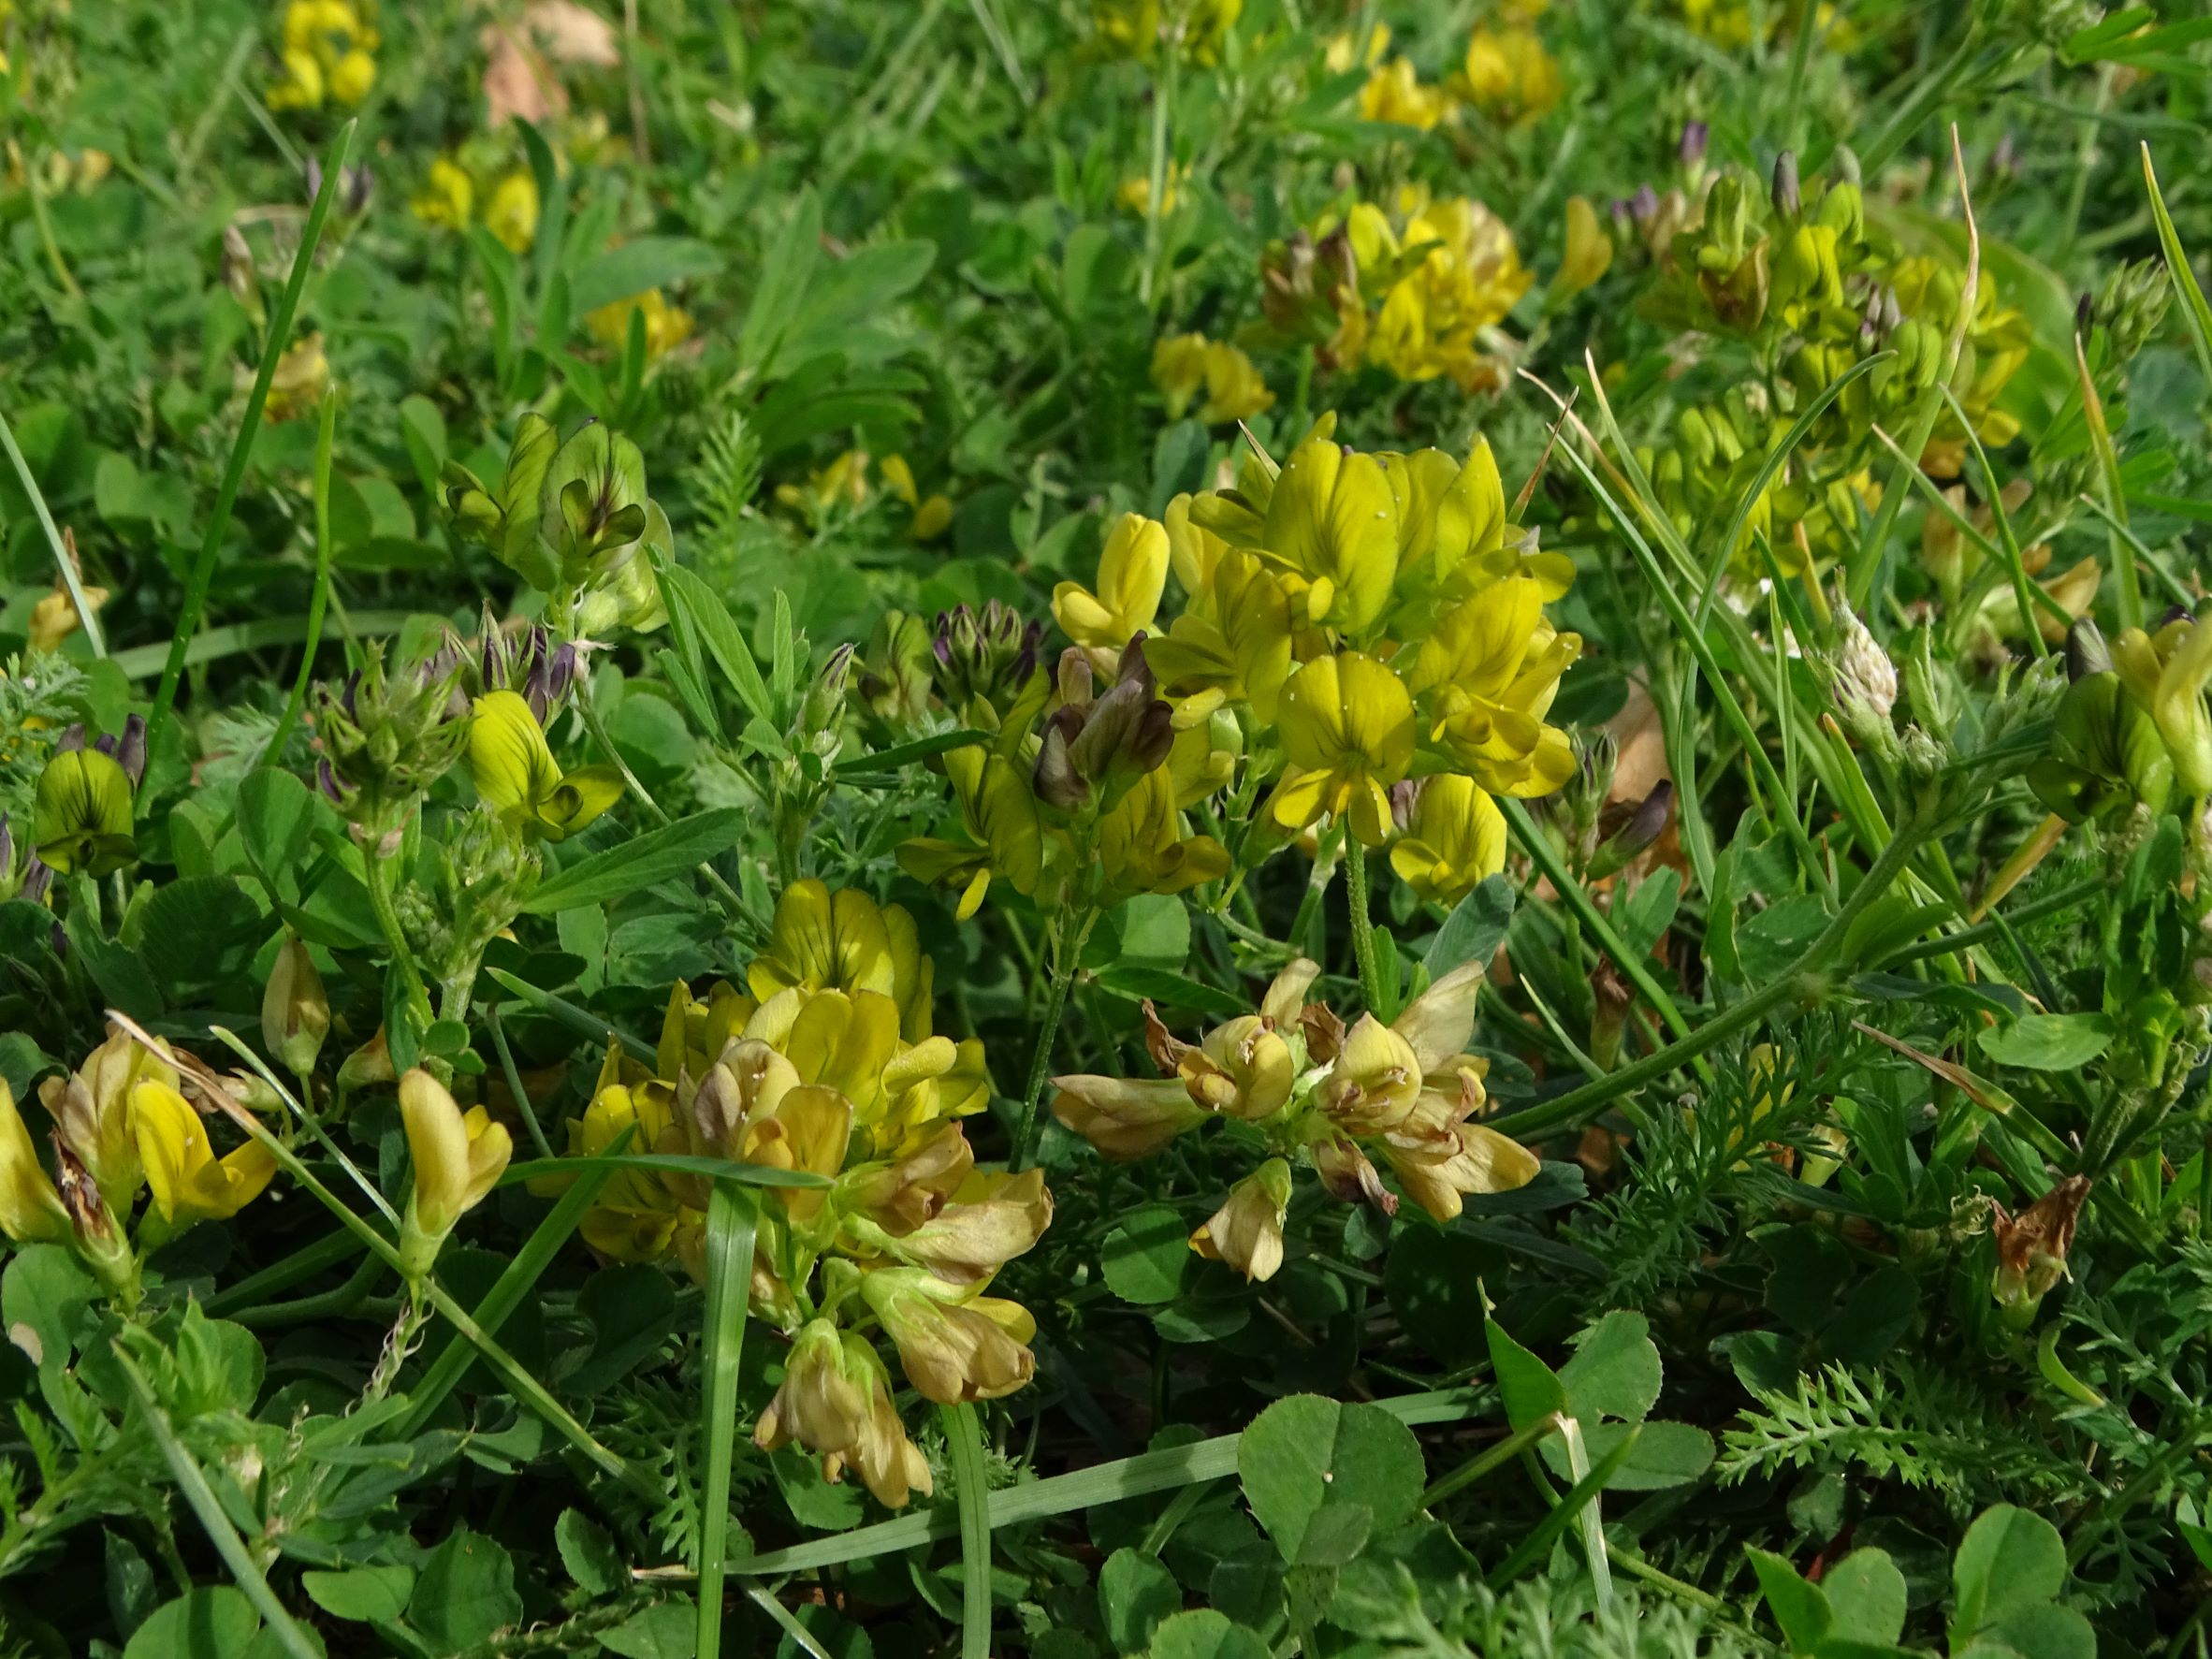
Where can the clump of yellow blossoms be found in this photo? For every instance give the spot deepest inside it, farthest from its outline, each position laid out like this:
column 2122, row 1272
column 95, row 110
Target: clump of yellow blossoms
column 1508, row 76
column 666, row 327
column 1361, row 640
column 1319, row 1095
column 826, row 1063
column 1185, row 365
column 1417, row 289
column 450, row 192
column 121, row 1126
column 1193, row 30
column 843, row 484
column 329, row 54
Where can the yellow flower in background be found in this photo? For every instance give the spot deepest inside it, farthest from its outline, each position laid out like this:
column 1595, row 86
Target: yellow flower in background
column 55, row 617
column 1394, row 94
column 447, row 196
column 932, row 514
column 1187, row 364
column 1344, row 52
column 666, row 327
column 302, row 376
column 518, row 777
column 188, row 1181
column 1589, row 250
column 512, row 213
column 844, row 482
column 1509, row 75
column 1136, row 190
column 1132, row 575
column 1454, row 840
column 1196, row 30
column 1347, row 723
column 329, row 52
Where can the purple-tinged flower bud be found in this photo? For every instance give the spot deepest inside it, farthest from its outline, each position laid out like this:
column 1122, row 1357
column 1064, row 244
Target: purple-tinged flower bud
column 37, row 879
column 1644, row 207
column 6, row 848
column 71, row 739
column 130, row 753
column 1690, row 149
column 1788, row 199
column 327, row 781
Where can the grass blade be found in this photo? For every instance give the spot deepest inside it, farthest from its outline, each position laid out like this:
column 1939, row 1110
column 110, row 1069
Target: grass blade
column 964, row 1434
column 2193, row 308
column 62, row 562
column 280, row 333
column 732, row 1213
column 326, row 430
column 208, row 1509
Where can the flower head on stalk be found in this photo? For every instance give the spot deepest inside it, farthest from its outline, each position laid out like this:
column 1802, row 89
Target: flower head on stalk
column 1333, row 1099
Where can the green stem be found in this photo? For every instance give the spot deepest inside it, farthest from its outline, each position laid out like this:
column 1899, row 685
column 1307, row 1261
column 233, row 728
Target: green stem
column 1163, row 98
column 1371, row 986
column 242, row 449
column 1066, row 957
column 732, row 1213
column 1482, row 1462
column 1579, row 1105
column 373, row 878
column 325, row 432
column 71, row 581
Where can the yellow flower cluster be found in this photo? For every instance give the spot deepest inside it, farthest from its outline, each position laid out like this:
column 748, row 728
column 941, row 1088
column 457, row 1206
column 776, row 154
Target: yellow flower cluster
column 826, row 1063
column 121, row 1126
column 844, row 484
column 1185, row 365
column 1194, row 30
column 666, row 326
column 448, row 199
column 1420, row 286
column 1318, row 1095
column 329, row 54
column 1508, row 76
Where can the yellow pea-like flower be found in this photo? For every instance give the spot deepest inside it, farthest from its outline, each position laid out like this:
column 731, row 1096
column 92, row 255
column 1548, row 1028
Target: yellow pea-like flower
column 1509, row 75
column 1246, row 1231
column 1455, row 840
column 31, row 1210
column 458, row 1156
column 1394, row 94
column 517, row 776
column 1589, row 250
column 188, row 1181
column 1347, row 723
column 824, row 940
column 1332, row 523
column 81, row 814
column 447, row 196
column 1132, row 575
column 512, row 214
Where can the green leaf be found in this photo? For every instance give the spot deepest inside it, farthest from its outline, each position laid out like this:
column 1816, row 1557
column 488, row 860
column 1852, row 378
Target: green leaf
column 657, row 855
column 1866, row 1598
column 643, row 263
column 1170, row 990
column 1135, row 1594
column 718, row 633
column 2041, row 1633
column 1206, row 1634
column 1615, row 1370
column 466, row 1591
column 1530, row 1388
column 1475, row 928
column 1801, row 1608
column 2048, row 1042
column 632, row 1310
column 198, row 930
column 1307, row 1454
column 663, row 1631
column 2010, row 1559
column 214, row 1621
column 370, row 1594
column 1144, row 1257
column 587, row 1551
column 786, row 275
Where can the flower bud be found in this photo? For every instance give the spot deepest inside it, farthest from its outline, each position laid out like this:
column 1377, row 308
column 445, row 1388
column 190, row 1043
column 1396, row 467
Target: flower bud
column 1784, row 193
column 2031, row 1250
column 295, row 1011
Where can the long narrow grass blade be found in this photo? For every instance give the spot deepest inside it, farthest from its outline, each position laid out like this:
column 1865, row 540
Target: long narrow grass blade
column 449, row 1365
column 1580, row 1498
column 2179, row 270
column 208, row 1510
column 71, row 582
column 964, row 1434
column 280, row 335
column 2116, row 501
column 733, row 1216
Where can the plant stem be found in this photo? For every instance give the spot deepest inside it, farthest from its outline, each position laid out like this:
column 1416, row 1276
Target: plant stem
column 1067, row 955
column 242, row 449
column 1371, row 986
column 1482, row 1462
column 388, row 919
column 1579, row 1105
